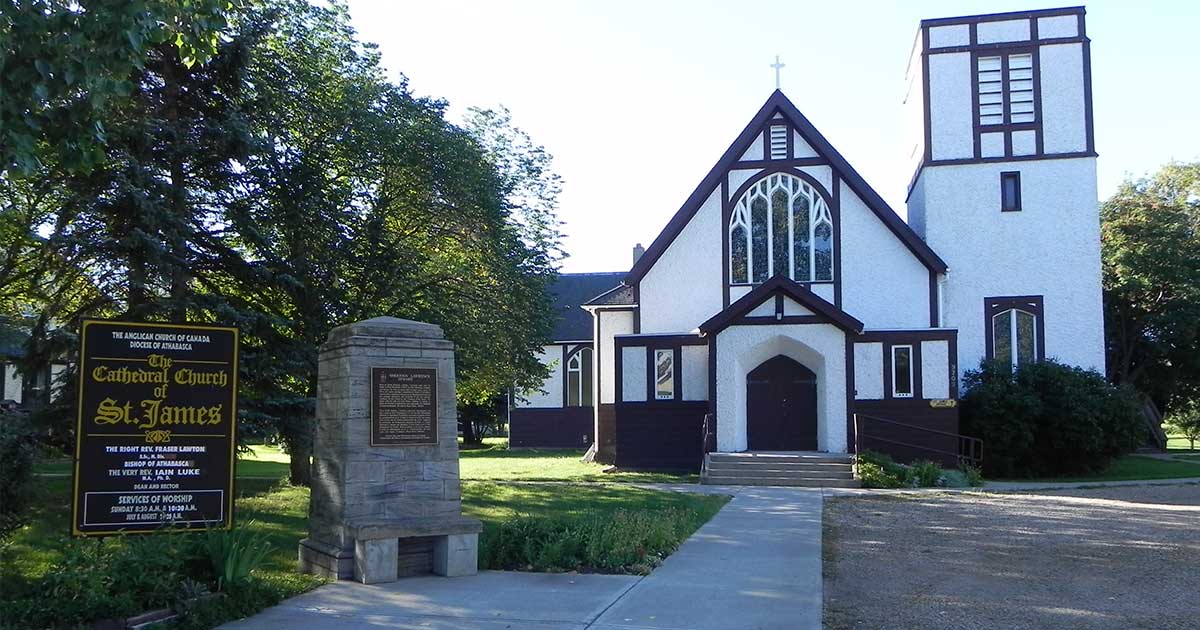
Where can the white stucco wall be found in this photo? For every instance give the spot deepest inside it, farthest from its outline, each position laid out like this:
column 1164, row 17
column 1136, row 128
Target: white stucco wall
column 819, row 347
column 792, row 307
column 12, row 382
column 611, row 323
column 754, row 151
column 950, row 110
column 952, row 35
column 801, row 148
column 1050, row 248
column 1058, row 26
column 739, row 176
column 868, row 371
column 1063, row 122
column 694, row 372
column 1006, row 31
column 883, row 283
column 633, row 374
column 550, row 394
column 765, row 309
column 913, row 107
column 683, row 288
column 935, row 369
column 823, row 174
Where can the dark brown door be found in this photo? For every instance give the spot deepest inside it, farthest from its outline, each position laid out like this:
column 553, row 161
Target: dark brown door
column 781, row 406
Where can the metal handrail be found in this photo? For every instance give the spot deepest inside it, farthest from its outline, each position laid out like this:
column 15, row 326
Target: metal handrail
column 970, row 449
column 705, row 448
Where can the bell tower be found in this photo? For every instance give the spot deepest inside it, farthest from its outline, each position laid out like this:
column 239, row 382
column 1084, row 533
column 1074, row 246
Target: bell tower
column 1004, row 185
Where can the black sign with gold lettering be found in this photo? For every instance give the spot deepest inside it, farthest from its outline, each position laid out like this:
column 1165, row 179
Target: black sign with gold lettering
column 155, row 434
column 403, row 406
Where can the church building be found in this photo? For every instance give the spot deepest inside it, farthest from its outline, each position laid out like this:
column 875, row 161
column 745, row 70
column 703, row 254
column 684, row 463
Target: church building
column 787, row 307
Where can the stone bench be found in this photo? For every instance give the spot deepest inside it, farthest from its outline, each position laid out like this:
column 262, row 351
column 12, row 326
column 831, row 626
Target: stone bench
column 378, row 546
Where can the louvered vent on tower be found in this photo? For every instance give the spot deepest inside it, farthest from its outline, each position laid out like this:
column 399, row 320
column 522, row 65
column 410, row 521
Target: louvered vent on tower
column 779, row 150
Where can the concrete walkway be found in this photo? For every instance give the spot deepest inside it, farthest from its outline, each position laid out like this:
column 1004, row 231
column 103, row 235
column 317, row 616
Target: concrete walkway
column 755, row 565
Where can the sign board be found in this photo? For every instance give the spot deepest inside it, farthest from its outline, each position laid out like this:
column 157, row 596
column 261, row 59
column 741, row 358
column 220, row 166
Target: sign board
column 155, row 433
column 943, row 403
column 403, row 406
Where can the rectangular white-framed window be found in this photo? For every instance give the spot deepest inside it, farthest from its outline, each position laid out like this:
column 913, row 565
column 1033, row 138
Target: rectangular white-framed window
column 664, row 374
column 902, row 371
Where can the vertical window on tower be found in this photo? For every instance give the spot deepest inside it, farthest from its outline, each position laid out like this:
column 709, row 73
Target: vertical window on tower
column 1010, row 191
column 664, row 374
column 902, row 372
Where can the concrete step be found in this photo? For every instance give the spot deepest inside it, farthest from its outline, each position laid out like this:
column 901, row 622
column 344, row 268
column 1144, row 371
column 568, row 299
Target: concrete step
column 799, row 469
column 797, row 458
column 801, row 482
column 783, row 474
column 780, row 466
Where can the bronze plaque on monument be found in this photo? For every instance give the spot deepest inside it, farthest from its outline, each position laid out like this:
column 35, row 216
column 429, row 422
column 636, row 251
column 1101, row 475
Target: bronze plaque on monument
column 403, row 406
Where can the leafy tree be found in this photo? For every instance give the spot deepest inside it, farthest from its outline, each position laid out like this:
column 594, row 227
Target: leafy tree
column 287, row 187
column 1185, row 420
column 1150, row 234
column 62, row 63
column 360, row 200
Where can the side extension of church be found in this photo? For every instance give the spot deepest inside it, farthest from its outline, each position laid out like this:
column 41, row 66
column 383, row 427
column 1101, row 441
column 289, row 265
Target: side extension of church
column 787, row 307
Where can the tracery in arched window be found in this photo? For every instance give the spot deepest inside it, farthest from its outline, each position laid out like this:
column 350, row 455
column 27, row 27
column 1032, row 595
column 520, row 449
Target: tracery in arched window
column 780, row 225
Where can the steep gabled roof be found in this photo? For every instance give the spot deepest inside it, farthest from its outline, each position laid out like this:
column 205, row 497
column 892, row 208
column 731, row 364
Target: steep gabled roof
column 620, row 295
column 781, row 284
column 778, row 103
column 571, row 291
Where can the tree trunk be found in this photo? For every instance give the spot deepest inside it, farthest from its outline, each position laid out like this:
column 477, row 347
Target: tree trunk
column 300, row 468
column 468, row 426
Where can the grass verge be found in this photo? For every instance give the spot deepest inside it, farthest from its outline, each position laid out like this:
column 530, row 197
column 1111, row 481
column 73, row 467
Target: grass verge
column 495, row 462
column 1133, row 468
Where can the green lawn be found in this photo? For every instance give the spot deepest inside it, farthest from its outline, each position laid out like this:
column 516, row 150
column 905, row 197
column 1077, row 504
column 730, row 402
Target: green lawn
column 492, row 462
column 1134, row 467
column 1180, row 444
column 495, row 462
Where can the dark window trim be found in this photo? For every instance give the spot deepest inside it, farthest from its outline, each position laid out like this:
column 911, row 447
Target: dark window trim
column 1033, row 304
column 1016, row 203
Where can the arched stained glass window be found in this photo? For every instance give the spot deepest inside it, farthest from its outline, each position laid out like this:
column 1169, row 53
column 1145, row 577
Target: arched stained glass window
column 1014, row 337
column 579, row 378
column 780, row 225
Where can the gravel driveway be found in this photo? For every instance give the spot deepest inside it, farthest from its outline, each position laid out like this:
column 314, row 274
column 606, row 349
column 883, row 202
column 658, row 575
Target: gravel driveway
column 1088, row 558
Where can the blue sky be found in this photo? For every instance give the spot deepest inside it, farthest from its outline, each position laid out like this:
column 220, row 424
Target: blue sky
column 637, row 99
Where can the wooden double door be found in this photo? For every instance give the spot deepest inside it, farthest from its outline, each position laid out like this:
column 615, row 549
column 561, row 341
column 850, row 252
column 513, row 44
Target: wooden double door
column 781, row 406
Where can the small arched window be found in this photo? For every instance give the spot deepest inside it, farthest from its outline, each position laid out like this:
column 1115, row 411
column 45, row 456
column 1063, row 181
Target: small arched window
column 579, row 378
column 780, row 225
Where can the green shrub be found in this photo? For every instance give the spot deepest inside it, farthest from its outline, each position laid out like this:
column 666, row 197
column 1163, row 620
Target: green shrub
column 1048, row 419
column 922, row 474
column 876, row 470
column 235, row 553
column 973, row 475
column 623, row 541
column 18, row 450
column 108, row 578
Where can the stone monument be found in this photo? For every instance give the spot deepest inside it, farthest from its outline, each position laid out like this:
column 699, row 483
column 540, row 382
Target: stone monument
column 385, row 490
